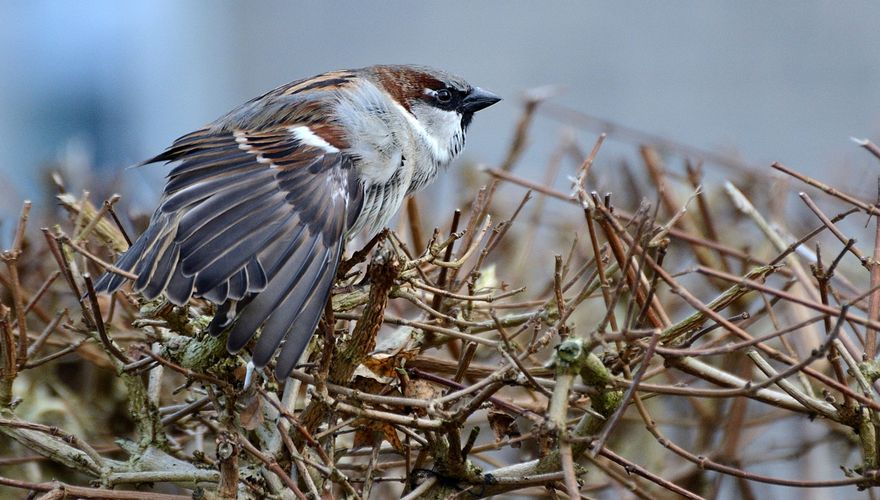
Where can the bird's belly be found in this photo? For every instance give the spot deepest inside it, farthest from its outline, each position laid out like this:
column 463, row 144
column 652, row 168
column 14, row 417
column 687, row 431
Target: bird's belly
column 388, row 176
column 421, row 178
column 381, row 202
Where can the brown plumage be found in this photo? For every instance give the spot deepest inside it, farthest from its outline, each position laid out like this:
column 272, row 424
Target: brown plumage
column 255, row 214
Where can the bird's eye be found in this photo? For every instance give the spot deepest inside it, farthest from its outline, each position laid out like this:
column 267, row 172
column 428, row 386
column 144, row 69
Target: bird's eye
column 443, row 95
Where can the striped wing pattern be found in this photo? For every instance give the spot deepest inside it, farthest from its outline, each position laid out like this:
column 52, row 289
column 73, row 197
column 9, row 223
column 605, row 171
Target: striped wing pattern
column 253, row 221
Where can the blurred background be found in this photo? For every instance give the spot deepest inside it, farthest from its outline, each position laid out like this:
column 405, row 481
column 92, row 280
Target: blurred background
column 105, row 84
column 90, row 88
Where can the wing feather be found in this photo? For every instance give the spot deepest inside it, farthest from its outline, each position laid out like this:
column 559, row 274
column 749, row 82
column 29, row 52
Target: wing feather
column 271, row 297
column 180, row 288
column 254, row 221
column 162, row 273
column 197, row 192
column 197, row 254
column 218, row 294
column 225, row 207
column 300, row 329
column 238, row 284
column 209, row 167
column 280, row 318
column 215, row 272
column 256, row 276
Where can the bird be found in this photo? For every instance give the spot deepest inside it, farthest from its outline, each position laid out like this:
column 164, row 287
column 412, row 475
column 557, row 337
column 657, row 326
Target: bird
column 259, row 204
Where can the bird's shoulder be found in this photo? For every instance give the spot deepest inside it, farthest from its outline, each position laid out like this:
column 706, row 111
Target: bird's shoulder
column 314, row 87
column 309, row 102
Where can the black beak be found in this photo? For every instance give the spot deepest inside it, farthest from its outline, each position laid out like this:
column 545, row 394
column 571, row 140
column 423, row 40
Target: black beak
column 478, row 99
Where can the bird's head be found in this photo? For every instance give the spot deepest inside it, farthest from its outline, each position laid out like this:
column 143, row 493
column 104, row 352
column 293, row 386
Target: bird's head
column 443, row 104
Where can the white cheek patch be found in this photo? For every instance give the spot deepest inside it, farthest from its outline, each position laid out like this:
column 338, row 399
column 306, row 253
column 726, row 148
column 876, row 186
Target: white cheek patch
column 436, row 127
column 305, row 135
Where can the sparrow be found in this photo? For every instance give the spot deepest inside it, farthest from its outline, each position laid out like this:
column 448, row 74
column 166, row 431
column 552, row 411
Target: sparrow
column 256, row 212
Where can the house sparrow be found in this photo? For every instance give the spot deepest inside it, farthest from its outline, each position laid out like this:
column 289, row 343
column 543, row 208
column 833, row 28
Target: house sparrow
column 255, row 214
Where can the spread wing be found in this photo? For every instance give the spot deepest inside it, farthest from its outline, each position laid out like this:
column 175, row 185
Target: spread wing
column 254, row 222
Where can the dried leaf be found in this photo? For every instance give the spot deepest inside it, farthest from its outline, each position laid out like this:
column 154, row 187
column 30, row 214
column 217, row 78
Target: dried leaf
column 363, row 371
column 503, row 425
column 372, row 432
column 239, row 372
column 252, row 415
column 422, row 389
column 365, row 437
column 390, row 435
column 385, row 364
column 366, row 381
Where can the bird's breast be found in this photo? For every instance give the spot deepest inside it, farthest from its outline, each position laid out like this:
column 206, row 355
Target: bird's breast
column 381, row 200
